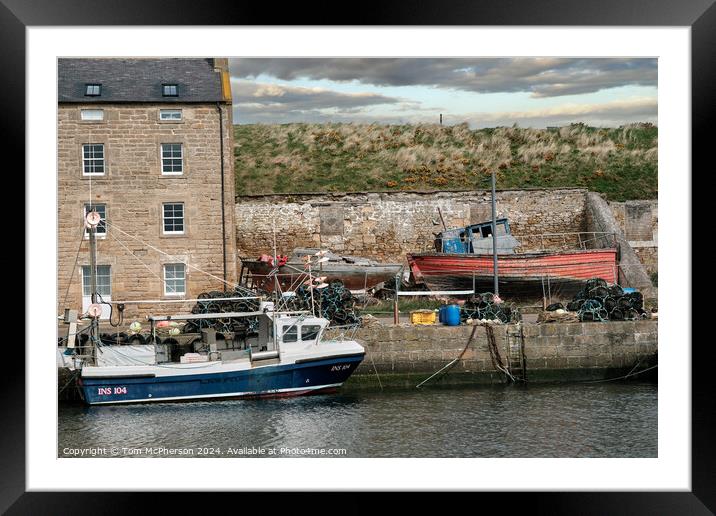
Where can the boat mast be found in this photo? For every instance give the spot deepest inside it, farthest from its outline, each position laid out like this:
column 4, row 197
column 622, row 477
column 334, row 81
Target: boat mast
column 494, row 238
column 93, row 218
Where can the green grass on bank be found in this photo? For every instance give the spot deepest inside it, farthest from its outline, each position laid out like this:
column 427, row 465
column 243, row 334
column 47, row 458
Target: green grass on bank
column 620, row 162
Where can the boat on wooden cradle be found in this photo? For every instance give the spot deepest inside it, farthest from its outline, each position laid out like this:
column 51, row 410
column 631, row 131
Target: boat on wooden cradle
column 463, row 260
column 355, row 272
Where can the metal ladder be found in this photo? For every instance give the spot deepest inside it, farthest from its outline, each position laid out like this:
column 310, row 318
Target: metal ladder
column 516, row 362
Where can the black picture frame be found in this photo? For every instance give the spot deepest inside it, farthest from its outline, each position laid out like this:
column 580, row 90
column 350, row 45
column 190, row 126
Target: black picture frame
column 699, row 15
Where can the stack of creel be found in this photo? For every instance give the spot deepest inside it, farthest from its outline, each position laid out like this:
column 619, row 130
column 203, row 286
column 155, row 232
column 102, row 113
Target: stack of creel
column 336, row 303
column 598, row 301
column 211, row 303
column 482, row 306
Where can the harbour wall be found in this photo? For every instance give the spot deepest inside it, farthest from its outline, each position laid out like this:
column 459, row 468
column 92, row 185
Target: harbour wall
column 405, row 355
column 387, row 225
column 632, row 272
column 639, row 221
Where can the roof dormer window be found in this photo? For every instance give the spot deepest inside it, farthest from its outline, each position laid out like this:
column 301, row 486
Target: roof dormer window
column 93, row 90
column 169, row 90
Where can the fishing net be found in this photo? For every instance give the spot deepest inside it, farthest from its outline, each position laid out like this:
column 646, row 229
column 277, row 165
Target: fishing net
column 483, row 306
column 215, row 302
column 598, row 301
column 334, row 302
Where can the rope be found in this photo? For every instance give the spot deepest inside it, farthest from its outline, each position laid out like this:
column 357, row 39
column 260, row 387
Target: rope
column 625, row 376
column 138, row 259
column 376, row 371
column 173, row 257
column 74, row 266
column 451, row 363
column 72, row 378
column 495, row 353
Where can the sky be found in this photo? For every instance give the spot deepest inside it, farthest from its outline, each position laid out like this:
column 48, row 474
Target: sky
column 484, row 92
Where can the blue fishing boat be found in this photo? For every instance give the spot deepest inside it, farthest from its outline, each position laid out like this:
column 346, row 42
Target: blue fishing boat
column 295, row 359
column 277, row 352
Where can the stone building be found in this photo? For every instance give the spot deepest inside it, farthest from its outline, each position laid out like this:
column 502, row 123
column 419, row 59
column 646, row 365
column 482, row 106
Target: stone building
column 148, row 144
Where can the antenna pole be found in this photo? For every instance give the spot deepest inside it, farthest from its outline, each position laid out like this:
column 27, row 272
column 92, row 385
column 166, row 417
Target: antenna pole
column 94, row 333
column 275, row 259
column 494, row 237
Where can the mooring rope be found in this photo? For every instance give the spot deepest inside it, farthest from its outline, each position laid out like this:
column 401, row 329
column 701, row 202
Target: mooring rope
column 451, row 363
column 495, row 352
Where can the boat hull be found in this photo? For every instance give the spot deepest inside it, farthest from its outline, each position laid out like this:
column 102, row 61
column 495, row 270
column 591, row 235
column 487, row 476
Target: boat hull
column 309, row 377
column 354, row 277
column 558, row 275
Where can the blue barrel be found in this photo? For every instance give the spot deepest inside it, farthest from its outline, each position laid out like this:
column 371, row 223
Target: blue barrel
column 441, row 314
column 452, row 315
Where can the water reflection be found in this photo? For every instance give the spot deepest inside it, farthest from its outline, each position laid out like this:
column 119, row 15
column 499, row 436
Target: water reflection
column 599, row 420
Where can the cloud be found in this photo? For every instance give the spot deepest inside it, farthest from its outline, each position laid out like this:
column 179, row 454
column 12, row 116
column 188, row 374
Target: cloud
column 606, row 114
column 620, row 111
column 542, row 77
column 273, row 103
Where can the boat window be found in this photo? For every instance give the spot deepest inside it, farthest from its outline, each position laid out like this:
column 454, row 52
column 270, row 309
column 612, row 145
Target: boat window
column 501, row 229
column 486, row 231
column 310, row 331
column 290, row 333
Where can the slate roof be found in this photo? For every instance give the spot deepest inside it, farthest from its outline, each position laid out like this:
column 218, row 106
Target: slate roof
column 138, row 80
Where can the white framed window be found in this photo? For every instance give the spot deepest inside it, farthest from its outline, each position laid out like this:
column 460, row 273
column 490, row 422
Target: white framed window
column 93, row 90
column 104, row 281
column 169, row 90
column 174, row 279
column 93, row 159
column 170, row 114
column 92, row 114
column 173, row 218
column 310, row 331
column 104, row 288
column 172, row 159
column 102, row 226
column 290, row 333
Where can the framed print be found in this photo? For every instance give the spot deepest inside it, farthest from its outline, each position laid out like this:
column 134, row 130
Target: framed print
column 245, row 212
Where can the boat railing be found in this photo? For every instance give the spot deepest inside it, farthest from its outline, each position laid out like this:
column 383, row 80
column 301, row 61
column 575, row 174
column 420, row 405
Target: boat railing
column 570, row 240
column 567, row 240
column 342, row 332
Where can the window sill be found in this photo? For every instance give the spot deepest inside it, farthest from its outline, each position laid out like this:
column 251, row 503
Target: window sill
column 172, row 235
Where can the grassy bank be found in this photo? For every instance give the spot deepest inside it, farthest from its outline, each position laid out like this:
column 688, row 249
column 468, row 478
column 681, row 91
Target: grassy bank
column 621, row 162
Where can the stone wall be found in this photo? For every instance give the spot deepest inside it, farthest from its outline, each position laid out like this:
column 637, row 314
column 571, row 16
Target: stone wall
column 632, row 272
column 387, row 225
column 133, row 189
column 639, row 221
column 406, row 355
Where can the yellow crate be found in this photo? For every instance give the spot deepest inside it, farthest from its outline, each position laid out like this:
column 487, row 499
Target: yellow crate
column 422, row 317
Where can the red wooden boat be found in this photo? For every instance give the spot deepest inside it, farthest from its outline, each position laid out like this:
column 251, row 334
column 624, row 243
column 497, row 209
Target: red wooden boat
column 463, row 264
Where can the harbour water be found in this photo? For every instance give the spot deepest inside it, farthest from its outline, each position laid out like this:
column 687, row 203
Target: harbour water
column 558, row 420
